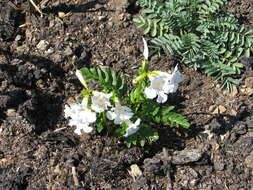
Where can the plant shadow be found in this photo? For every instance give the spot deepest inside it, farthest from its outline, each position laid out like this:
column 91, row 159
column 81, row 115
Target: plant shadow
column 75, row 8
column 35, row 90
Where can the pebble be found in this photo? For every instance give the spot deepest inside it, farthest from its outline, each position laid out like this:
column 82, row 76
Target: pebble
column 186, row 156
column 18, row 37
column 68, row 51
column 101, row 18
column 234, row 92
column 49, row 51
column 11, row 112
column 42, row 45
column 249, row 160
column 219, row 165
column 222, row 109
column 249, row 82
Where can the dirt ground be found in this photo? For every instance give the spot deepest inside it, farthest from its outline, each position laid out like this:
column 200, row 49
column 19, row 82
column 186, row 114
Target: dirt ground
column 39, row 151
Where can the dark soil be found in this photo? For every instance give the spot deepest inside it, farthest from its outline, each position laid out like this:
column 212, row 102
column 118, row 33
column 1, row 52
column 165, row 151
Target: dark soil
column 39, row 151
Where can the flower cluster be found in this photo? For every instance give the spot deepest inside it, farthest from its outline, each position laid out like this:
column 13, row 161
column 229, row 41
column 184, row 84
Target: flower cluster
column 161, row 84
column 81, row 116
column 122, row 114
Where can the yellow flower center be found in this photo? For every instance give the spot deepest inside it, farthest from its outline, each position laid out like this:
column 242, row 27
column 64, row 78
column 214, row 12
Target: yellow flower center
column 158, row 84
column 101, row 100
column 120, row 110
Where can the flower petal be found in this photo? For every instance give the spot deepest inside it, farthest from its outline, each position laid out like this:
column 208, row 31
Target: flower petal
column 110, row 115
column 150, row 93
column 97, row 108
column 80, row 76
column 83, row 127
column 117, row 121
column 78, row 131
column 132, row 127
column 176, row 76
column 87, row 129
column 91, row 116
column 145, row 51
column 162, row 97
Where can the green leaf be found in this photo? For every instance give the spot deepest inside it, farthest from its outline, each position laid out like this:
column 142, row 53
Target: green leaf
column 157, row 119
column 248, row 43
column 148, row 27
column 147, row 11
column 227, row 54
column 107, row 77
column 165, row 111
column 154, row 29
column 247, row 52
column 114, row 78
column 222, row 50
column 142, row 142
column 224, row 82
column 100, row 126
column 100, row 75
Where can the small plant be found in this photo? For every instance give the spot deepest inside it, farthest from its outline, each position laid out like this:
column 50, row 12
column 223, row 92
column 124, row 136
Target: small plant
column 132, row 115
column 199, row 34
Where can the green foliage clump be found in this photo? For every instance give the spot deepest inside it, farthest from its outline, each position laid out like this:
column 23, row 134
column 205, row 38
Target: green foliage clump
column 199, row 34
column 150, row 112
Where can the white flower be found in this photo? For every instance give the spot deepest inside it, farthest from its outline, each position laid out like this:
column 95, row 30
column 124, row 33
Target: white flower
column 158, row 87
column 119, row 114
column 81, row 116
column 176, row 76
column 100, row 101
column 132, row 127
column 145, row 51
column 81, row 78
column 162, row 84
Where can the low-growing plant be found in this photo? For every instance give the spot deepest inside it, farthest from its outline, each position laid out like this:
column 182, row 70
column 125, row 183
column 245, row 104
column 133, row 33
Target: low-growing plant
column 199, row 34
column 130, row 114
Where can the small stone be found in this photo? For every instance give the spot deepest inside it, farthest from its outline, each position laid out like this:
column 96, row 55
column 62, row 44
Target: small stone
column 18, row 37
column 110, row 23
column 249, row 160
column 101, row 18
column 42, row 45
column 11, row 112
column 61, row 14
column 249, row 82
column 211, row 108
column 234, row 187
column 135, row 171
column 235, row 91
column 222, row 109
column 49, row 51
column 186, row 156
column 194, row 182
column 4, row 99
column 216, row 111
column 249, row 91
column 68, row 51
column 219, row 166
column 57, row 169
column 152, row 165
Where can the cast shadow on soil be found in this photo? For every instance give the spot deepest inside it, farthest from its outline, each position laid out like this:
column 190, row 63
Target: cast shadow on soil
column 43, row 109
column 172, row 137
column 41, row 105
column 222, row 123
column 75, row 8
